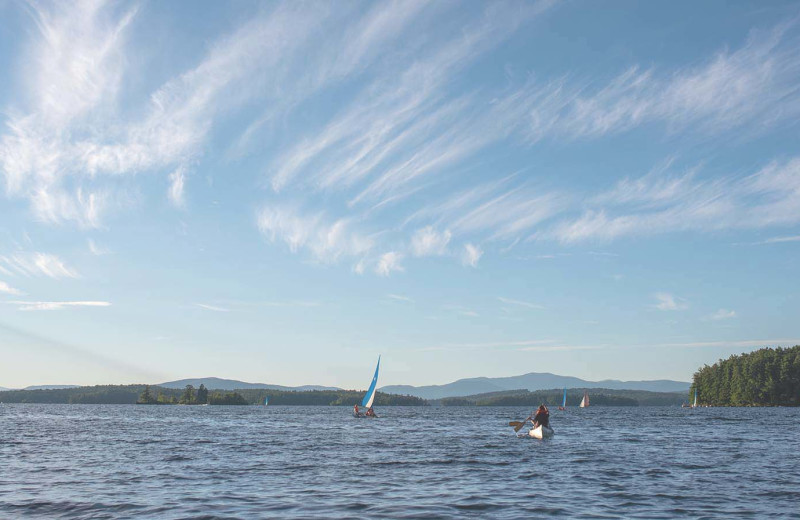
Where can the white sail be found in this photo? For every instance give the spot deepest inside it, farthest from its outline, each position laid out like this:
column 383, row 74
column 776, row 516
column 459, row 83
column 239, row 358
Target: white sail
column 585, row 400
column 370, row 395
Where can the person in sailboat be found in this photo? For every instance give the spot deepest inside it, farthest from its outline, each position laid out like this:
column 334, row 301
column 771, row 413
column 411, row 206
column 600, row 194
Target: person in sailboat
column 370, row 412
column 356, row 411
column 541, row 417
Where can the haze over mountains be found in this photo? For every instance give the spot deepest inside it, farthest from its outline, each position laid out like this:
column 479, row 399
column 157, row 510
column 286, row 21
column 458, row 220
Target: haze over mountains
column 463, row 387
column 532, row 381
column 216, row 383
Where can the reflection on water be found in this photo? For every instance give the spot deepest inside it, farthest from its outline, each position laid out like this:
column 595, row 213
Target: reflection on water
column 61, row 461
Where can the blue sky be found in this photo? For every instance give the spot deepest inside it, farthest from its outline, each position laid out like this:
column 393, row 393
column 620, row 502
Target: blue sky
column 280, row 192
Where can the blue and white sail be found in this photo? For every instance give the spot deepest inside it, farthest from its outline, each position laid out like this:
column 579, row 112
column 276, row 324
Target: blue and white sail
column 266, row 401
column 564, row 402
column 367, row 402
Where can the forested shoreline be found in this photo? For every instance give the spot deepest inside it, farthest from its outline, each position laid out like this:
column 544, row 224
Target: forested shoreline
column 554, row 397
column 765, row 377
column 156, row 395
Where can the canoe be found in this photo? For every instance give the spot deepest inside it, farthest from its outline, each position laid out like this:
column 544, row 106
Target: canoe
column 541, row 432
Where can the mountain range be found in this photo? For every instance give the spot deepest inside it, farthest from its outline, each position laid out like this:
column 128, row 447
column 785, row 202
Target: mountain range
column 462, row 387
column 216, row 383
column 532, row 381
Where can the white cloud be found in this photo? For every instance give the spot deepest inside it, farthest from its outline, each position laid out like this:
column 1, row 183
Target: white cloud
column 401, row 127
column 561, row 348
column 520, row 303
column 97, row 250
column 662, row 203
column 175, row 191
column 723, row 314
column 214, row 308
column 471, row 255
column 428, row 242
column 326, row 240
column 36, row 264
column 54, row 306
column 753, row 88
column 360, row 266
column 389, row 262
column 400, row 297
column 7, row 289
column 668, row 302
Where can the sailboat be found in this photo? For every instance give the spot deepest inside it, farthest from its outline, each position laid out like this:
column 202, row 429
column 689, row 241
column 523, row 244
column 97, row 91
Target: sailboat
column 585, row 400
column 695, row 399
column 369, row 397
column 266, row 401
column 564, row 401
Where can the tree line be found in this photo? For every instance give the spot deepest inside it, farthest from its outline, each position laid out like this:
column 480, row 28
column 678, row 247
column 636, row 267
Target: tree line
column 765, row 377
column 151, row 394
column 554, row 397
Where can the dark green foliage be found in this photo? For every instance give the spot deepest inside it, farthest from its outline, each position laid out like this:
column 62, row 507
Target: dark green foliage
column 145, row 398
column 130, row 394
column 765, row 377
column 202, row 394
column 227, row 398
column 188, row 396
column 553, row 398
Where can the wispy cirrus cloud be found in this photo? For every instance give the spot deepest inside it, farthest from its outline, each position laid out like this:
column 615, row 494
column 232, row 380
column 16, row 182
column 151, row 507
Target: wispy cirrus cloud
column 428, row 242
column 754, row 86
column 722, row 314
column 36, row 264
column 520, row 303
column 7, row 289
column 214, row 308
column 471, row 255
column 96, row 249
column 400, row 298
column 661, row 202
column 55, row 306
column 327, row 240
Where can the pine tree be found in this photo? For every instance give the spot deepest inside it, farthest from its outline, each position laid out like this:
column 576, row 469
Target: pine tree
column 202, row 394
column 188, row 396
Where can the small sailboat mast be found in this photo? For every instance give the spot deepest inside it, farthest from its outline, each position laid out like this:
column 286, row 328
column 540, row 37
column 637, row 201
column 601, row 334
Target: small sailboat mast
column 370, row 395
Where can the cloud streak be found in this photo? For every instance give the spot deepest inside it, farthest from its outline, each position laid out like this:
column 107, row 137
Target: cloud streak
column 55, row 306
column 36, row 264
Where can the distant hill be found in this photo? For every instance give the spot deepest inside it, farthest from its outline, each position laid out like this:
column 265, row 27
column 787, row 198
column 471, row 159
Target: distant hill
column 598, row 397
column 216, row 383
column 50, row 387
column 532, row 382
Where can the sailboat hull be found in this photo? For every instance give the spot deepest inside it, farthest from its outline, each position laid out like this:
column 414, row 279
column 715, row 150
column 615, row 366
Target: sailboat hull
column 541, row 432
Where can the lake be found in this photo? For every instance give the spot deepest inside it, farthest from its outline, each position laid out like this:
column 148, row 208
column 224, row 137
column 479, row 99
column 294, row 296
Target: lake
column 87, row 461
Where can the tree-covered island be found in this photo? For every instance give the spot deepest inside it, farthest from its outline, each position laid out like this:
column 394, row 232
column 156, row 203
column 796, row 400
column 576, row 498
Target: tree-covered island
column 189, row 396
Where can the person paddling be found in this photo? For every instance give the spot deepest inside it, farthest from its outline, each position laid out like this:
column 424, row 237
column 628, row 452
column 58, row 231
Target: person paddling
column 541, row 417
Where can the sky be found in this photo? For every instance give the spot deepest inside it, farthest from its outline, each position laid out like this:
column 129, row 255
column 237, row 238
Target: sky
column 280, row 192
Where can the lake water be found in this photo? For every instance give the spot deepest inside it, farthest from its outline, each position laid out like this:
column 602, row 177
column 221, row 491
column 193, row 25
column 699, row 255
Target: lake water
column 61, row 461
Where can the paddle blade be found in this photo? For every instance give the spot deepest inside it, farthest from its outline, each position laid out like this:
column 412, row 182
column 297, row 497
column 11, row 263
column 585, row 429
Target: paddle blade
column 517, row 425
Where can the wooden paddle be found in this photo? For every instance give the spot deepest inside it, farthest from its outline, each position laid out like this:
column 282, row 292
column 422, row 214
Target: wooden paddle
column 518, row 425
